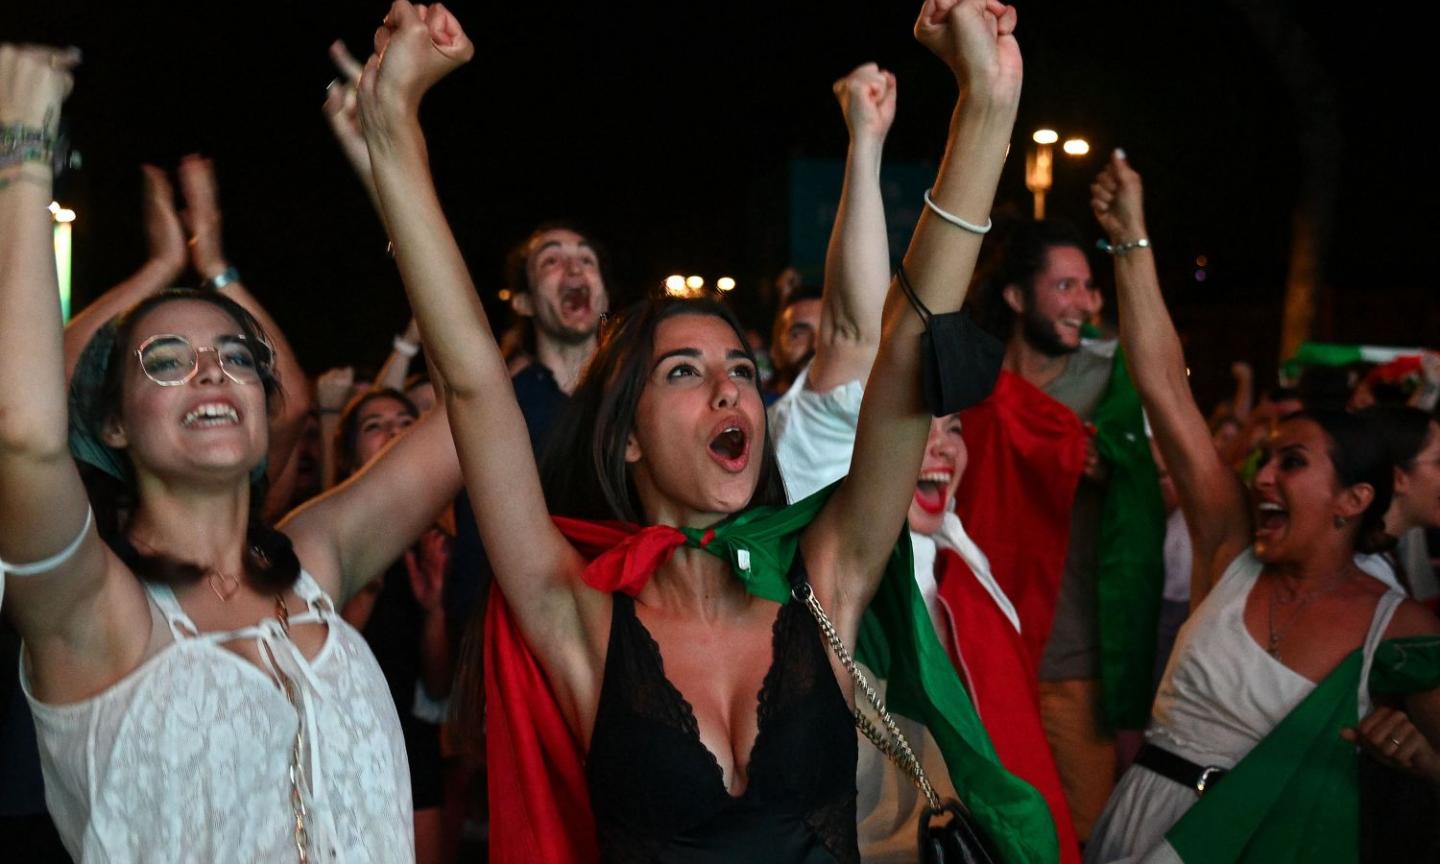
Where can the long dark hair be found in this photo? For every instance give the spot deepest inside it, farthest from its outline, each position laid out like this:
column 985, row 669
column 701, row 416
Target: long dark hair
column 1359, row 455
column 96, row 395
column 584, row 471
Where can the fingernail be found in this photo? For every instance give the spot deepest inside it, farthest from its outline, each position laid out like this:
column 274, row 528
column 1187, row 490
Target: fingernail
column 1119, row 153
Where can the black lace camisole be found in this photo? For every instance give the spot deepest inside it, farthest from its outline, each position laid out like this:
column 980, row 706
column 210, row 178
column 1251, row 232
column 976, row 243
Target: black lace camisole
column 658, row 793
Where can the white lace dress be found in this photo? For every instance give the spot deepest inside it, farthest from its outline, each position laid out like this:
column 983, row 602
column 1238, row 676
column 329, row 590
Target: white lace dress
column 188, row 758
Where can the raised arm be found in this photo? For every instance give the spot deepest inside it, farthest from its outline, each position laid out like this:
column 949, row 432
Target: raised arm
column 857, row 263
column 533, row 563
column 202, row 218
column 342, row 113
column 1216, row 508
column 850, row 541
column 71, row 615
column 166, row 241
column 349, row 535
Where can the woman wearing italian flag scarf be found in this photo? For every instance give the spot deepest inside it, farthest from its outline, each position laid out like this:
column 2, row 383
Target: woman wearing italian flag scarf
column 651, row 646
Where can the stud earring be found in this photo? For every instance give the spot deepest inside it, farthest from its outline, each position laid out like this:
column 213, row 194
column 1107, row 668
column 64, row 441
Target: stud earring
column 1340, row 521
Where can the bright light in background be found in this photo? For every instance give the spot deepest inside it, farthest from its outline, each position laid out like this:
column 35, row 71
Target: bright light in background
column 725, row 283
column 63, row 248
column 1045, row 136
column 675, row 285
column 695, row 283
column 504, row 295
column 1075, row 146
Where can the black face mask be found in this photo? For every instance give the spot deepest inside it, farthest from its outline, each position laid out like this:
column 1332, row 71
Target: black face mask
column 959, row 361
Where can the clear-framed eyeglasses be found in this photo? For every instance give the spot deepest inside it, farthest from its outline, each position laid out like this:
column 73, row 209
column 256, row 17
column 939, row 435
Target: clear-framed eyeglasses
column 170, row 360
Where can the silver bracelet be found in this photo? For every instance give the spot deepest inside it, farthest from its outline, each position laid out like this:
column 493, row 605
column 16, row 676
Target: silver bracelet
column 221, row 279
column 956, row 220
column 1123, row 248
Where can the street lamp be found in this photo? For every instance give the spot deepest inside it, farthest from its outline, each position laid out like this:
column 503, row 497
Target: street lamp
column 1040, row 162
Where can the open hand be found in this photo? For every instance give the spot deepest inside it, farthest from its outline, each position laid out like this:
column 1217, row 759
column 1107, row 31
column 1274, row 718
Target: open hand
column 34, row 81
column 1118, row 200
column 202, row 215
column 163, row 232
column 867, row 99
column 427, row 568
column 976, row 39
column 342, row 110
column 415, row 47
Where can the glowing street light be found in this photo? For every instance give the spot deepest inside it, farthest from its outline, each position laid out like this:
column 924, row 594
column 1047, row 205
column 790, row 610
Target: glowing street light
column 1040, row 163
column 695, row 283
column 725, row 284
column 675, row 285
column 63, row 242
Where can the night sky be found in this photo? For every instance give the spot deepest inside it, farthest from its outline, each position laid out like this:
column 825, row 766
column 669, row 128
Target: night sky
column 670, row 129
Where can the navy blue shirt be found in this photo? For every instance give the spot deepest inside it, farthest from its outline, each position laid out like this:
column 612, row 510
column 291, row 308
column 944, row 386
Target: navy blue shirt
column 541, row 401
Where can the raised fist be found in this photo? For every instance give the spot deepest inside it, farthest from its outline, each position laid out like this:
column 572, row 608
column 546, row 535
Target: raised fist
column 976, row 39
column 332, row 389
column 867, row 98
column 34, row 81
column 1118, row 199
column 415, row 47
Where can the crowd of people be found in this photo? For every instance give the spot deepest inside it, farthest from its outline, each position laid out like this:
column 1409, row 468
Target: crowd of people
column 638, row 585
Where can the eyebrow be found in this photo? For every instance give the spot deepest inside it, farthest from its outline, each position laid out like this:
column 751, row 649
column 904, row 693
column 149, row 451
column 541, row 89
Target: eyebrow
column 555, row 244
column 696, row 354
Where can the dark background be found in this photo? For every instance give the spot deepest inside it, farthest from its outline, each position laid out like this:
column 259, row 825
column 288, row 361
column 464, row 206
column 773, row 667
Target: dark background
column 670, row 128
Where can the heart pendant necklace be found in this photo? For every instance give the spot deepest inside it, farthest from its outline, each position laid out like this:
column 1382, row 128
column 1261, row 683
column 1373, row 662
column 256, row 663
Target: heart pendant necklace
column 224, row 585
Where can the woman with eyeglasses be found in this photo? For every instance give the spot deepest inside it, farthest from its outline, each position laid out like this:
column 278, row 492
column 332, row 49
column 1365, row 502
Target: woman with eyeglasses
column 196, row 696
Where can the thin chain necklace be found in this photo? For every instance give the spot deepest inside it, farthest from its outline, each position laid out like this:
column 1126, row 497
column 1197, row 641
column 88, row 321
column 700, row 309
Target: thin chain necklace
column 1273, row 648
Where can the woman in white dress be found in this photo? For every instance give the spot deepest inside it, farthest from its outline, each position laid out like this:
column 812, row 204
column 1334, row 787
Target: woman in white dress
column 1278, row 599
column 196, row 697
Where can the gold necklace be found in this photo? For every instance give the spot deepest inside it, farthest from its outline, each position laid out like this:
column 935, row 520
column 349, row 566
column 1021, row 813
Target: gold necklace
column 1273, row 648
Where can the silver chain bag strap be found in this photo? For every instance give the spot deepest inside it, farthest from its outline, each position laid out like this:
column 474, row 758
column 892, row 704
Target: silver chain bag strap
column 956, row 841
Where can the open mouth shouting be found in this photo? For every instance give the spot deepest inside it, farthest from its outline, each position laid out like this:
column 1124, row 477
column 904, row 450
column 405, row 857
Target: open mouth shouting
column 1270, row 520
column 211, row 415
column 575, row 301
column 730, row 443
column 932, row 491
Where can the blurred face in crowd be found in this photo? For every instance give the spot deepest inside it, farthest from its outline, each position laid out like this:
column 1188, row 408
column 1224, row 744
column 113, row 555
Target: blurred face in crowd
column 940, row 473
column 1417, row 486
column 795, row 332
column 1059, row 301
column 567, row 293
column 380, row 420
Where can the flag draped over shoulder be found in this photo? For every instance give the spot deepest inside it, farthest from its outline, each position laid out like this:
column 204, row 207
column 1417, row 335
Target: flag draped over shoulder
column 1026, row 454
column 1002, row 681
column 1295, row 797
column 1130, row 575
column 539, row 807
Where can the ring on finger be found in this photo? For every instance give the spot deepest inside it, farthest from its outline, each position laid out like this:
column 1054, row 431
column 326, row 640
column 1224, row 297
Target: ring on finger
column 1394, row 743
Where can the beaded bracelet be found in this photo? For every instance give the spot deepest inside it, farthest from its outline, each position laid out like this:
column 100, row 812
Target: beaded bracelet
column 1122, row 248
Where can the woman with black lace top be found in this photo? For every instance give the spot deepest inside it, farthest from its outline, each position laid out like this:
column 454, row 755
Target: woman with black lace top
column 659, row 681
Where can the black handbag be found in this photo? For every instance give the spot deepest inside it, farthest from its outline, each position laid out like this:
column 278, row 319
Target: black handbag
column 946, row 832
column 959, row 362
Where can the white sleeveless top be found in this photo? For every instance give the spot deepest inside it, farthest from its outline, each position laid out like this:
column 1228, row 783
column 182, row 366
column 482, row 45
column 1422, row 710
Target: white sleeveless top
column 188, row 757
column 1222, row 691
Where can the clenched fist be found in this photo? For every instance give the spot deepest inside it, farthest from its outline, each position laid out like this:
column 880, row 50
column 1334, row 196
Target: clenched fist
column 976, row 39
column 867, row 99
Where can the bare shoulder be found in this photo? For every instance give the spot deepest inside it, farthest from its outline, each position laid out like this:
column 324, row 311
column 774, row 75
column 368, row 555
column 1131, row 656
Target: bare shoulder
column 1412, row 619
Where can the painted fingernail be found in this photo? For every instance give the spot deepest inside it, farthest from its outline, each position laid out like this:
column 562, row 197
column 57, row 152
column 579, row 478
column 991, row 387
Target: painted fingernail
column 1119, row 153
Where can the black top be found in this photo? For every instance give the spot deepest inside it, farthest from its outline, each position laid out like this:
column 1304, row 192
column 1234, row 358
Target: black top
column 659, row 794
